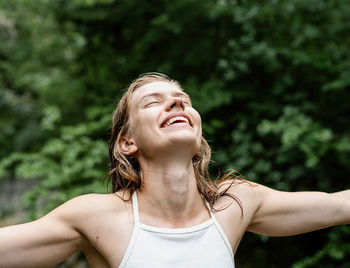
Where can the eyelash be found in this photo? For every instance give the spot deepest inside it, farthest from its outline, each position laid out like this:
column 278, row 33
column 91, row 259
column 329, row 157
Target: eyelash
column 156, row 102
column 153, row 102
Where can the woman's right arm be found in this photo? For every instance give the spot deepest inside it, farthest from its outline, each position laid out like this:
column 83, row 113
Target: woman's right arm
column 44, row 242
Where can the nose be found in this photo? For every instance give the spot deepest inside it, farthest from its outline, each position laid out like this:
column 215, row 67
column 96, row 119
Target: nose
column 175, row 103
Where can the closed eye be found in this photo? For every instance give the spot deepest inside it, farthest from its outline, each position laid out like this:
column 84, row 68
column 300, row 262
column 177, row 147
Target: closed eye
column 152, row 103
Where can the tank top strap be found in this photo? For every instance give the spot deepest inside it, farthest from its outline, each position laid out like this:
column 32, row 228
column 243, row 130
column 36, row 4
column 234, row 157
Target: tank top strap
column 135, row 207
column 220, row 230
column 209, row 209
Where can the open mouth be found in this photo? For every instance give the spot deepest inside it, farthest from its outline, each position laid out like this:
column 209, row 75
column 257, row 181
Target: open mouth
column 180, row 119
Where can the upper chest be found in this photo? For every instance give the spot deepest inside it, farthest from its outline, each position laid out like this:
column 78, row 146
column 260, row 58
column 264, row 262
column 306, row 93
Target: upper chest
column 110, row 233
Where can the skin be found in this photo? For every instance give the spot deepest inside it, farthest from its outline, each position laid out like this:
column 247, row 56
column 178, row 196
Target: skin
column 101, row 225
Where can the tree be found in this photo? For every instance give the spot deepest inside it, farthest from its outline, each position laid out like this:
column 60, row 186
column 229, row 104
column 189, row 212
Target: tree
column 270, row 80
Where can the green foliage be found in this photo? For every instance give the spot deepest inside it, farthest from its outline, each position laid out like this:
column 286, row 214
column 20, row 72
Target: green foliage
column 334, row 253
column 270, row 79
column 298, row 131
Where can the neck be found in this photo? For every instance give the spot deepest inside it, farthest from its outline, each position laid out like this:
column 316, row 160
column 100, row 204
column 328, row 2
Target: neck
column 169, row 194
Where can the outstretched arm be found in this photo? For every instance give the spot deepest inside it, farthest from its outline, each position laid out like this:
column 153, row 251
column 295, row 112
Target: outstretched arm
column 289, row 213
column 343, row 194
column 42, row 243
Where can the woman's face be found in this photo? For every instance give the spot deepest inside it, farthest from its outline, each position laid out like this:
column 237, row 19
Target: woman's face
column 163, row 120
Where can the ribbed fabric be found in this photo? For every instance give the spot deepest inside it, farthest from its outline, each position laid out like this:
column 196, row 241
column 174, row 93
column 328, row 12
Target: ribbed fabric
column 203, row 245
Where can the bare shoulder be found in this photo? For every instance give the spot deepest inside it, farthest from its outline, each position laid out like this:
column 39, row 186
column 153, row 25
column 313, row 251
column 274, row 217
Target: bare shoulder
column 241, row 199
column 106, row 220
column 89, row 202
column 82, row 212
column 243, row 191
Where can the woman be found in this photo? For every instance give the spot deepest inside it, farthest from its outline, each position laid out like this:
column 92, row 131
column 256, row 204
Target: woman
column 164, row 212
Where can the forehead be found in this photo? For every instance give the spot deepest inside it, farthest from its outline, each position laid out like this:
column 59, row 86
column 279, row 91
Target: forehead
column 157, row 88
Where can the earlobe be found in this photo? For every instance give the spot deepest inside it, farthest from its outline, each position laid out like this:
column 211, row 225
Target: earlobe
column 127, row 146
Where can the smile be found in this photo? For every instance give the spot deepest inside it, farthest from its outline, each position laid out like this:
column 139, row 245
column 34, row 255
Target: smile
column 176, row 119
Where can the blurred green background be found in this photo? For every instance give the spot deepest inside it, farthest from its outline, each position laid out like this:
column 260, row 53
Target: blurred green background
column 271, row 80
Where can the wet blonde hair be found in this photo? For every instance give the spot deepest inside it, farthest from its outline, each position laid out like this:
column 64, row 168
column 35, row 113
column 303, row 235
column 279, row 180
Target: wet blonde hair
column 125, row 172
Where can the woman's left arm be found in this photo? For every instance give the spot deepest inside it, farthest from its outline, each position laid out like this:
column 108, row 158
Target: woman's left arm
column 289, row 213
column 343, row 194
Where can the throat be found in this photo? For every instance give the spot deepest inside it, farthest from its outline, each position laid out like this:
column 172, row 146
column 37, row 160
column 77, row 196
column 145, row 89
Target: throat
column 172, row 216
column 169, row 190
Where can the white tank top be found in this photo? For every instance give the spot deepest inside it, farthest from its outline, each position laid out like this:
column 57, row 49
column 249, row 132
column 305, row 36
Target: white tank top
column 203, row 245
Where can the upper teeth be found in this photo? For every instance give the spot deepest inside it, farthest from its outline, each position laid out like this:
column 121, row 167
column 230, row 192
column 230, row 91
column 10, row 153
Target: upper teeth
column 172, row 120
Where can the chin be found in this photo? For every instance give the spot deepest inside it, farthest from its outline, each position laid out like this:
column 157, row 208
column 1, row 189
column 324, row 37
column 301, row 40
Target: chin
column 183, row 137
column 187, row 142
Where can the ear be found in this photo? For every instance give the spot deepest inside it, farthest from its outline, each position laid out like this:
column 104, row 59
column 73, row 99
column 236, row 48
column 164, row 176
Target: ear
column 127, row 146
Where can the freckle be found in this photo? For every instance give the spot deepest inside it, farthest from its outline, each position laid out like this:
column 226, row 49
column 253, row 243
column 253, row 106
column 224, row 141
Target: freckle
column 96, row 237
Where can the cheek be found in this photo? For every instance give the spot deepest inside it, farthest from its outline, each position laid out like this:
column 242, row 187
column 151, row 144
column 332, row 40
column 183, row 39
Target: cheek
column 196, row 118
column 143, row 124
column 198, row 122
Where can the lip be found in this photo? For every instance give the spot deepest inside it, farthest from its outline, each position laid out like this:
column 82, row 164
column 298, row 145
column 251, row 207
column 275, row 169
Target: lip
column 162, row 125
